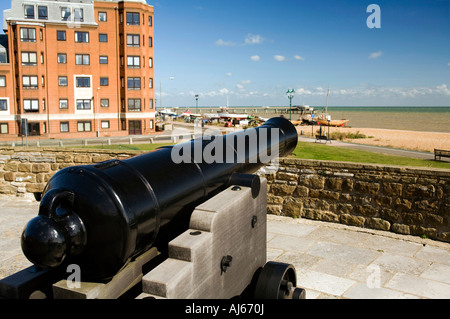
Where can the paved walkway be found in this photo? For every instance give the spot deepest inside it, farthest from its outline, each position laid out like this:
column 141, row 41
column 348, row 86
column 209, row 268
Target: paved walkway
column 332, row 260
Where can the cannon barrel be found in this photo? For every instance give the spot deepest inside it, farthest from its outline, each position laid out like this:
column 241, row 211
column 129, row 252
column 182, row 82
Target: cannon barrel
column 100, row 216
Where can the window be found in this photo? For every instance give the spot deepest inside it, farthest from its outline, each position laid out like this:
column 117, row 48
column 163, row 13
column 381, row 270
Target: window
column 150, row 42
column 29, row 11
column 30, row 81
column 84, row 126
column 2, row 80
column 105, row 124
column 62, row 80
column 102, row 16
column 63, row 103
column 151, row 106
column 42, row 12
column 82, row 59
column 78, row 15
column 64, row 127
column 150, row 21
column 133, row 62
column 134, row 83
column 31, row 105
column 29, row 58
column 3, row 128
column 150, row 62
column 65, row 14
column 61, row 35
column 150, row 83
column 133, row 40
column 3, row 57
column 83, row 82
column 134, row 105
column 102, row 37
column 83, row 104
column 104, row 81
column 81, row 36
column 62, row 58
column 104, row 59
column 104, row 102
column 3, row 105
column 27, row 34
column 132, row 18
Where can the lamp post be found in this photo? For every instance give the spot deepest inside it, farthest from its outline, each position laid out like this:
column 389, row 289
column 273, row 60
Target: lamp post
column 196, row 103
column 290, row 94
column 98, row 114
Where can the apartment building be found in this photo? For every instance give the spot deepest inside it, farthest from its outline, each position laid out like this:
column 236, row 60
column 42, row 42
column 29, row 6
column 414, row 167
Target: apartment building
column 79, row 68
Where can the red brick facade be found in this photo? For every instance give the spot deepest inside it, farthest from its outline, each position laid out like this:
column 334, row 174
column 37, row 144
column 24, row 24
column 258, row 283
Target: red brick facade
column 78, row 77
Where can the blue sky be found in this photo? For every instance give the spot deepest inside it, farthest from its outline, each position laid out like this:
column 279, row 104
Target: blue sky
column 252, row 51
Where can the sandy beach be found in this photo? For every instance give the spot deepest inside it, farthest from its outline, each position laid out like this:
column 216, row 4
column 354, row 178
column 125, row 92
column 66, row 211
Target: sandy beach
column 410, row 140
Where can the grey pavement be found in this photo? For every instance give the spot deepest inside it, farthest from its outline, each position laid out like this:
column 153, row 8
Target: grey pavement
column 332, row 260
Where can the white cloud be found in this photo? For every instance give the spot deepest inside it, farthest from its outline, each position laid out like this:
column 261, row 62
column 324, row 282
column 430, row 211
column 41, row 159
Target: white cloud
column 279, row 58
column 375, row 55
column 229, row 74
column 246, row 82
column 448, row 63
column 223, row 43
column 298, row 57
column 255, row 58
column 254, row 39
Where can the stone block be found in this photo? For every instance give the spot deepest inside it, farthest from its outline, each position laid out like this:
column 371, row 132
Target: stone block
column 367, row 187
column 392, row 189
column 293, row 208
column 81, row 158
column 40, row 168
column 35, row 187
column 287, row 176
column 352, row 220
column 328, row 195
column 366, row 210
column 274, row 200
column 400, row 229
column 377, row 223
column 334, row 184
column 11, row 167
column 24, row 167
column 282, row 189
column 301, row 191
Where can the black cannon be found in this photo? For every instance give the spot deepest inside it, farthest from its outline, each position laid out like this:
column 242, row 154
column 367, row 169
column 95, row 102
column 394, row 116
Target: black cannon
column 102, row 216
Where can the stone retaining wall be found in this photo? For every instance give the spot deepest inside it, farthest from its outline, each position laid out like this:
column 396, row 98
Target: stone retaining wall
column 398, row 199
column 403, row 200
column 27, row 170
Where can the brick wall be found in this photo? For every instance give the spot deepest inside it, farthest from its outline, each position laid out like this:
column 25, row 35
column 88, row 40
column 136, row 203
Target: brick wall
column 403, row 200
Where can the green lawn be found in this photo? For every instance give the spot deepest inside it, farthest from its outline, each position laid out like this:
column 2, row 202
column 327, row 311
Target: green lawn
column 319, row 152
column 332, row 153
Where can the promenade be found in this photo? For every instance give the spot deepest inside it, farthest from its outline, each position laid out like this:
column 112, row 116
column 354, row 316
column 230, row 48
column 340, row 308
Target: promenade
column 332, row 260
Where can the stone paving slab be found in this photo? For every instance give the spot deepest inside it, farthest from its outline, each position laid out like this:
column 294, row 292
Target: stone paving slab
column 340, row 261
column 332, row 260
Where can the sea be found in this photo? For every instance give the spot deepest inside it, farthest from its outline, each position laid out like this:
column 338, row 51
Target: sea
column 425, row 118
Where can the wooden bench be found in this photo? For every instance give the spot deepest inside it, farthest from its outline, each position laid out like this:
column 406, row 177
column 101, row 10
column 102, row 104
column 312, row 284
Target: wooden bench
column 440, row 153
column 322, row 138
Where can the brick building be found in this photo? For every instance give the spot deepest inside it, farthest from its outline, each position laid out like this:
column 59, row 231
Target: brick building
column 79, row 68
